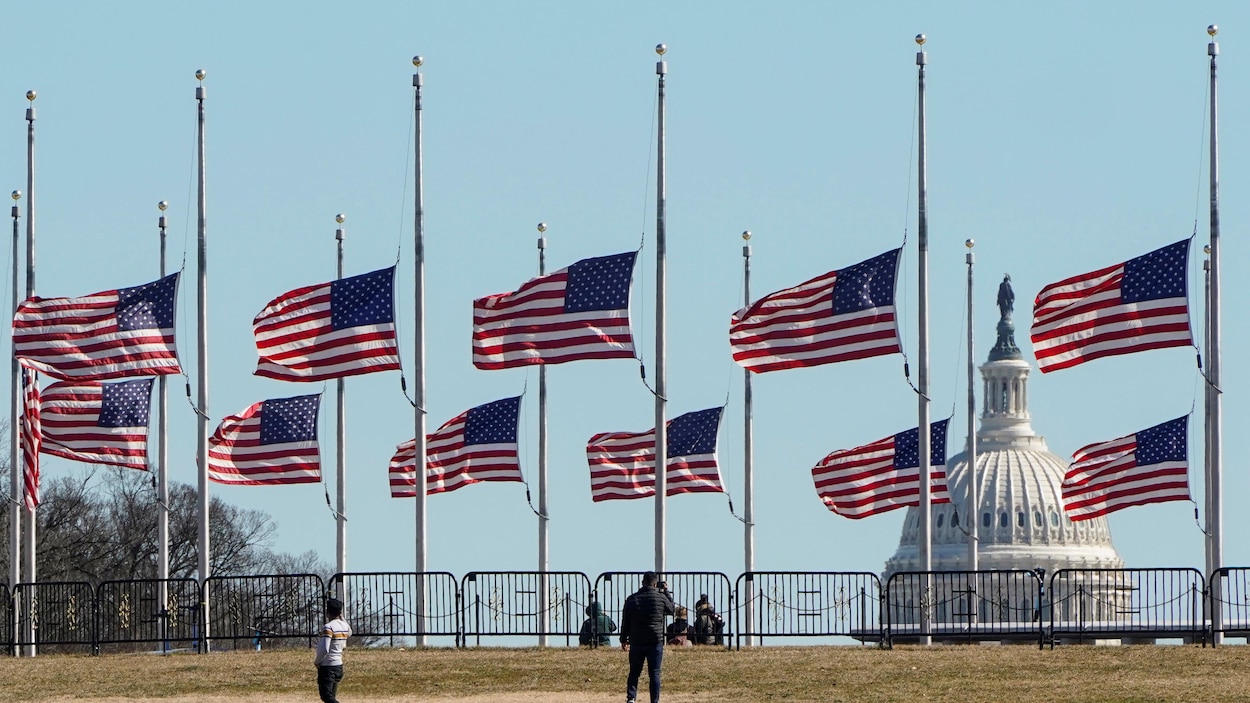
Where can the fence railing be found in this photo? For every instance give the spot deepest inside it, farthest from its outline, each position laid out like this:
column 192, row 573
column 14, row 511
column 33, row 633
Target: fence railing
column 1127, row 604
column 807, row 604
column 240, row 612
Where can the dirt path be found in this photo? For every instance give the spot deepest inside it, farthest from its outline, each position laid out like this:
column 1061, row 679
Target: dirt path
column 539, row 697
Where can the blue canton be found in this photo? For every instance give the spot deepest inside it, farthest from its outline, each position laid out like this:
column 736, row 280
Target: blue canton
column 1159, row 274
column 907, row 446
column 289, row 419
column 868, row 284
column 125, row 403
column 149, row 306
column 693, row 433
column 601, row 283
column 493, row 423
column 367, row 299
column 1165, row 442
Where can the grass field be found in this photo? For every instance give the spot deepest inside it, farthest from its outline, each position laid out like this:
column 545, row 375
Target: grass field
column 968, row 674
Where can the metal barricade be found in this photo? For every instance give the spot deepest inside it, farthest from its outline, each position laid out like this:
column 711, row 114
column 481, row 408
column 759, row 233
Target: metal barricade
column 965, row 606
column 55, row 616
column 523, row 603
column 6, row 619
column 1127, row 604
column 807, row 604
column 687, row 589
column 384, row 606
column 263, row 611
column 1229, row 608
column 148, row 611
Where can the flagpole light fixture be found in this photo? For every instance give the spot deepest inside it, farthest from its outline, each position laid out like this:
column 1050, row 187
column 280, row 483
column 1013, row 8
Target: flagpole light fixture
column 1213, row 29
column 417, row 61
column 746, row 236
column 661, row 48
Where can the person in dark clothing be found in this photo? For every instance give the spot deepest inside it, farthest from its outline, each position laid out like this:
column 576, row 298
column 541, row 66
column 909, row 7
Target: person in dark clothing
column 681, row 632
column 643, row 633
column 596, row 626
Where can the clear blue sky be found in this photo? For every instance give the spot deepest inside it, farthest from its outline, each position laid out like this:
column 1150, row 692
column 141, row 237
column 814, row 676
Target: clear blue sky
column 1062, row 138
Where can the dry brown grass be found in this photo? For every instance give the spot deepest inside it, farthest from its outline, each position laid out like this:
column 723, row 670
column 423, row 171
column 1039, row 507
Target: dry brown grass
column 967, row 674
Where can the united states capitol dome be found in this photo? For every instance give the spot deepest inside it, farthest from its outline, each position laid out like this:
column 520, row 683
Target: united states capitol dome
column 1021, row 523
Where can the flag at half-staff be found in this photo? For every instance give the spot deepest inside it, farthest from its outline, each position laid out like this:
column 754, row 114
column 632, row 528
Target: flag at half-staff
column 622, row 464
column 479, row 444
column 97, row 422
column 839, row 316
column 883, row 475
column 102, row 336
column 342, row 328
column 579, row 312
column 30, row 437
column 1149, row 466
column 1135, row 306
column 273, row 442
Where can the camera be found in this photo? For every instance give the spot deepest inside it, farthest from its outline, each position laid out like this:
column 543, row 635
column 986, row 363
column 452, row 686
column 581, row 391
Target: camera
column 664, row 586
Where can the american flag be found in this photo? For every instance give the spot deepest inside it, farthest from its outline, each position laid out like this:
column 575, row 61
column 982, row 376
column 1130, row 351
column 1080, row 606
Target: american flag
column 99, row 423
column 580, row 312
column 882, row 476
column 477, row 445
column 839, row 316
column 1138, row 305
column 272, row 442
column 622, row 464
column 30, row 436
column 1147, row 467
column 342, row 328
column 106, row 335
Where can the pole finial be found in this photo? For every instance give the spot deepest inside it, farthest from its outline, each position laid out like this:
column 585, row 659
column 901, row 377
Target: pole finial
column 970, row 243
column 17, row 195
column 1213, row 29
column 1206, row 248
column 340, row 218
column 417, row 61
column 200, row 74
column 920, row 39
column 162, row 205
column 746, row 235
column 661, row 49
column 542, row 227
column 31, row 95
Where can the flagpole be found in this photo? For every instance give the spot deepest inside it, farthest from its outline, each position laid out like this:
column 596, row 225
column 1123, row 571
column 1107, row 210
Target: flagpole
column 1208, row 560
column 748, row 459
column 661, row 373
column 922, row 263
column 340, row 445
column 31, row 512
column 543, row 554
column 419, row 348
column 974, row 499
column 201, row 355
column 15, row 441
column 162, row 471
column 1215, row 520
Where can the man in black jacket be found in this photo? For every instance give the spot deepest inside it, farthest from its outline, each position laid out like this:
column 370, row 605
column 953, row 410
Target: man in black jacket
column 643, row 622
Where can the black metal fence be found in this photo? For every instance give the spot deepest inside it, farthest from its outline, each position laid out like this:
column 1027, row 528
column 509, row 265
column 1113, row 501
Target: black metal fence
column 807, row 604
column 398, row 607
column 523, row 603
column 964, row 606
column 1132, row 604
column 240, row 612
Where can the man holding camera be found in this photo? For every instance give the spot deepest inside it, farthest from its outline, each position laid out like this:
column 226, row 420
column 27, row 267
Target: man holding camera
column 643, row 622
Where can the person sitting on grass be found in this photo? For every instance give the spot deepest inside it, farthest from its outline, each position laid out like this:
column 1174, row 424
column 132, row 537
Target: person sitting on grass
column 597, row 626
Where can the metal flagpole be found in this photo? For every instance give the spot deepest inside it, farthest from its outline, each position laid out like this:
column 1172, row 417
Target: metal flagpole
column 974, row 499
column 31, row 512
column 543, row 555
column 340, row 446
column 1209, row 560
column 162, row 472
column 1215, row 520
column 419, row 348
column 661, row 377
column 748, row 460
column 201, row 355
column 922, row 356
column 15, row 442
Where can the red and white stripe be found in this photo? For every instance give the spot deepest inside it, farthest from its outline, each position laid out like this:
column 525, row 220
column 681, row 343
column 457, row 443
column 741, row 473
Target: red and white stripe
column 622, row 467
column 450, row 463
column 863, row 481
column 70, row 415
column 30, row 437
column 1104, row 477
column 236, row 456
